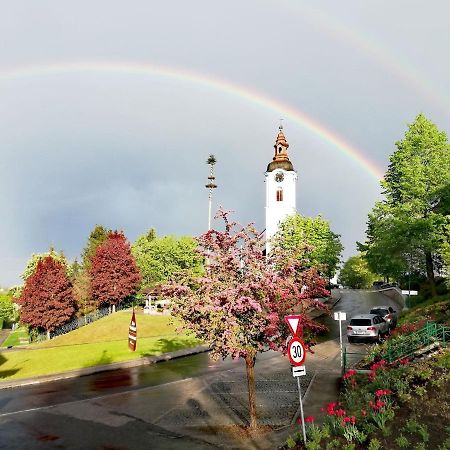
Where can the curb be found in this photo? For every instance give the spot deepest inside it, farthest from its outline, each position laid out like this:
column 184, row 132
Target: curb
column 147, row 360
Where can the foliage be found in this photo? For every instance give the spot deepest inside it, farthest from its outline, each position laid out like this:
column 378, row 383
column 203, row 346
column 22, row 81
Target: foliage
column 8, row 309
column 97, row 236
column 356, row 274
column 374, row 444
column 82, row 291
column 159, row 258
column 238, row 306
column 33, row 262
column 405, row 230
column 405, row 395
column 114, row 274
column 47, row 299
column 445, row 248
column 324, row 247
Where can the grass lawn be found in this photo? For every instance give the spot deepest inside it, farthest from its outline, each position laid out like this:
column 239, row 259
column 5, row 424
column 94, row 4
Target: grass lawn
column 102, row 342
column 14, row 337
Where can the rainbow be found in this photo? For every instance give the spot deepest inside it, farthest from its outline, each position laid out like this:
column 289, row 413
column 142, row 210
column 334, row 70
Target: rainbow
column 395, row 65
column 178, row 74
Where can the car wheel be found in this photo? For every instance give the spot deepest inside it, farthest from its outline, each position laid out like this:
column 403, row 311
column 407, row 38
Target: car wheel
column 379, row 340
column 351, row 340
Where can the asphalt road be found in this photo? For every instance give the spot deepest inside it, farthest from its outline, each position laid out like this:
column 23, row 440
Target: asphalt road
column 188, row 403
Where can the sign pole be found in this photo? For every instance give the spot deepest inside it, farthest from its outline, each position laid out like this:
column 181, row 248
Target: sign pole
column 340, row 316
column 340, row 340
column 301, row 409
column 297, row 353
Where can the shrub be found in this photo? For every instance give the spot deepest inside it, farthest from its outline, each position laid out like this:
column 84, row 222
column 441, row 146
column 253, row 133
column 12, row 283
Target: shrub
column 374, row 444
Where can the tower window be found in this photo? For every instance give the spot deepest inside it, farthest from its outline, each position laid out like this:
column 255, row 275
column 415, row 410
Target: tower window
column 279, row 195
column 279, row 149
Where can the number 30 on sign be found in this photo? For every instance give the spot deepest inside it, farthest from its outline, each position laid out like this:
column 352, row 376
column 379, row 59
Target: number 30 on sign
column 296, row 351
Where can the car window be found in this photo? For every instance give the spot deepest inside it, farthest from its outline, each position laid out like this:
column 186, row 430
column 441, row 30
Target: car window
column 360, row 322
column 380, row 312
column 391, row 310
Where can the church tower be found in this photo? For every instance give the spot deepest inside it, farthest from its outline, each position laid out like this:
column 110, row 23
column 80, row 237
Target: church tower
column 281, row 180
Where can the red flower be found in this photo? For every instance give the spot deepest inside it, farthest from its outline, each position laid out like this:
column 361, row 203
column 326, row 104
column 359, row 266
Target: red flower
column 372, row 375
column 350, row 373
column 340, row 413
column 403, row 361
column 378, row 365
column 309, row 419
column 353, row 420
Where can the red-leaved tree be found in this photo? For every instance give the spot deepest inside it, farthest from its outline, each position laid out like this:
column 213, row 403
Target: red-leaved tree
column 114, row 273
column 47, row 300
column 238, row 306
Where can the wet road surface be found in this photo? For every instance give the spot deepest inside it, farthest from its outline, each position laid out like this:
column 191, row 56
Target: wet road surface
column 174, row 404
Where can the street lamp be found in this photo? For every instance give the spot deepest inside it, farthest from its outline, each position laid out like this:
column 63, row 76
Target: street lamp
column 211, row 185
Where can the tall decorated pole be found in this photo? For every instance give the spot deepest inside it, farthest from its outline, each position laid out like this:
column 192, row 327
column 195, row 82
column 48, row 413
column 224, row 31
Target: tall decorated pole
column 211, row 185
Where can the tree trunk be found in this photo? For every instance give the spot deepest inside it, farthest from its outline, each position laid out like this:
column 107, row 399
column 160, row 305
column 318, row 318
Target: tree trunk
column 430, row 273
column 48, row 335
column 250, row 366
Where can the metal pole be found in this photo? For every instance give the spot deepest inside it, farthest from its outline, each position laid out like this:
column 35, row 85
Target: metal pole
column 340, row 341
column 209, row 208
column 301, row 409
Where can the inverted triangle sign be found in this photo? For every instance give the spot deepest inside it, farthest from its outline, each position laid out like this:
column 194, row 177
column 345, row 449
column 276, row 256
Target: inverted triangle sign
column 293, row 322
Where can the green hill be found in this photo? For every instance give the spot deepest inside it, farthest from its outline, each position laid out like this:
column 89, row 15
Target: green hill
column 101, row 342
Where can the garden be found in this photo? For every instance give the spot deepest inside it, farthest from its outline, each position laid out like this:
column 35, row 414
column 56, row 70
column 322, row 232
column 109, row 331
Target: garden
column 389, row 405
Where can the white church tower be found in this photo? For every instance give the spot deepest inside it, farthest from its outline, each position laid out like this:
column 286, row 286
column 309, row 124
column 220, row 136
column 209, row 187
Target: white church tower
column 281, row 180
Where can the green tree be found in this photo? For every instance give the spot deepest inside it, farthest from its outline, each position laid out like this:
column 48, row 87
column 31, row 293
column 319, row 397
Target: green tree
column 8, row 309
column 355, row 273
column 33, row 262
column 445, row 249
column 98, row 235
column 158, row 258
column 325, row 247
column 407, row 227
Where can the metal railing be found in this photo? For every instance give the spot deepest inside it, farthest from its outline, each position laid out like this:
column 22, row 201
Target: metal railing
column 410, row 343
column 79, row 322
column 406, row 345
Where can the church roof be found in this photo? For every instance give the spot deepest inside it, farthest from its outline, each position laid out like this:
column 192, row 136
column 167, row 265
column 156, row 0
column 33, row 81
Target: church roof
column 281, row 158
column 285, row 165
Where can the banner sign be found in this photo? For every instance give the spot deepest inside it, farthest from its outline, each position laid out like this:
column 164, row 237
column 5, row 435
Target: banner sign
column 132, row 333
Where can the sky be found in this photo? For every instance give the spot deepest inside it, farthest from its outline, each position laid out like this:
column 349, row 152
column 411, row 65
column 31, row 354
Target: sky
column 109, row 110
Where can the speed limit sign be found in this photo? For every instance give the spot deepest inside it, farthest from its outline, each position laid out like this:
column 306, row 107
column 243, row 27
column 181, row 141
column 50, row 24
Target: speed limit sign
column 296, row 351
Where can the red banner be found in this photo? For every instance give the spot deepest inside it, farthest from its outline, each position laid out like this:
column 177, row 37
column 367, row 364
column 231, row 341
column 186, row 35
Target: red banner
column 132, row 333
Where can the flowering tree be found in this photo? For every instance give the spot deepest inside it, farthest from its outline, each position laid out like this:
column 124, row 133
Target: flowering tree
column 114, row 274
column 47, row 301
column 238, row 306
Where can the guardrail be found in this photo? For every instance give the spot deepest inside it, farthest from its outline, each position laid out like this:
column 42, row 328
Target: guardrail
column 407, row 345
column 431, row 333
column 79, row 322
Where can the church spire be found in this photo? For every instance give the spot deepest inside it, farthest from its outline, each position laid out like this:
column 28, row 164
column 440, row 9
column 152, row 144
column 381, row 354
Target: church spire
column 281, row 146
column 281, row 157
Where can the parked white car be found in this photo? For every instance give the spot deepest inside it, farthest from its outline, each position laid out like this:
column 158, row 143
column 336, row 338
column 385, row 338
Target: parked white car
column 367, row 327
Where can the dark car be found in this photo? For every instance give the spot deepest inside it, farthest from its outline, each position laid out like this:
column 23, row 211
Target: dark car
column 388, row 313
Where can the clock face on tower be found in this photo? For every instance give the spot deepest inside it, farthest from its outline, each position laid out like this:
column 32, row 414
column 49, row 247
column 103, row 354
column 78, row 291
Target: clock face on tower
column 279, row 177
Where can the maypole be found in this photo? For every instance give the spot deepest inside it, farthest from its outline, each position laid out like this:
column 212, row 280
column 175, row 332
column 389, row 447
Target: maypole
column 211, row 185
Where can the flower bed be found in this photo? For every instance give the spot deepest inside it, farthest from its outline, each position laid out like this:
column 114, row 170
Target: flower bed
column 392, row 406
